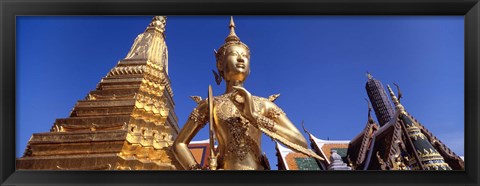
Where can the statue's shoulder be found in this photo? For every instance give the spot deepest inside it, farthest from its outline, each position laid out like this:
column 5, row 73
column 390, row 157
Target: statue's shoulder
column 272, row 110
column 270, row 98
column 221, row 97
column 197, row 99
column 259, row 99
column 201, row 101
column 264, row 102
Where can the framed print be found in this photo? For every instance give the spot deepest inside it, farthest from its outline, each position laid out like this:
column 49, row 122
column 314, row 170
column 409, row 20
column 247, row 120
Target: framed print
column 124, row 102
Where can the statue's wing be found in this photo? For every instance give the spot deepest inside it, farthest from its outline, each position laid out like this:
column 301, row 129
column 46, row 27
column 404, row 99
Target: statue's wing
column 273, row 97
column 197, row 99
column 289, row 144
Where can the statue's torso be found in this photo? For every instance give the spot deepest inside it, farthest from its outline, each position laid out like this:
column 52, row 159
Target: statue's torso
column 239, row 141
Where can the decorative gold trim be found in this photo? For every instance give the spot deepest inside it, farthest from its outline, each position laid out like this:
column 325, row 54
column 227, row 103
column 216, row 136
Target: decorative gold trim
column 199, row 118
column 265, row 123
column 99, row 167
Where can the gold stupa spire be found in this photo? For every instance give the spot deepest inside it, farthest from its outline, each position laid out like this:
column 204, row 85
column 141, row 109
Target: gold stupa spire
column 398, row 105
column 158, row 23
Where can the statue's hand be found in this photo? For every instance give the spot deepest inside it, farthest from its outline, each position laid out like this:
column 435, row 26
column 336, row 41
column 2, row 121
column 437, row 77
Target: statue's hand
column 195, row 167
column 244, row 102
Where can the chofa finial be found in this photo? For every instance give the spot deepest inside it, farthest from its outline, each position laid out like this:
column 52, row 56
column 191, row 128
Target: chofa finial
column 305, row 129
column 370, row 119
column 398, row 92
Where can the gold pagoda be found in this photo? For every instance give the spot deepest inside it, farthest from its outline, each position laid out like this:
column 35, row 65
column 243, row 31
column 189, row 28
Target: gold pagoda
column 127, row 123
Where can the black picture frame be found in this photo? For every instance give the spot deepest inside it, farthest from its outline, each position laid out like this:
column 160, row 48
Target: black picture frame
column 9, row 9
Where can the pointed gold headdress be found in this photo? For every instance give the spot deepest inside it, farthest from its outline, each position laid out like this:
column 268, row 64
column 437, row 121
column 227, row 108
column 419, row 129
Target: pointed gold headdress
column 232, row 39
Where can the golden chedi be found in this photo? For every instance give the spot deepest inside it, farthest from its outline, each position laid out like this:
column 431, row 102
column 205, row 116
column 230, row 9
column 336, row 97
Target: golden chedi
column 126, row 123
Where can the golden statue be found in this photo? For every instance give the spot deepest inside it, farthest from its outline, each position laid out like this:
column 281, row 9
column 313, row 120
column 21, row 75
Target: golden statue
column 237, row 118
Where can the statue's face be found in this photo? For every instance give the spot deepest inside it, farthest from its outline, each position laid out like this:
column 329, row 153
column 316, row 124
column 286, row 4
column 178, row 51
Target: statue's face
column 236, row 63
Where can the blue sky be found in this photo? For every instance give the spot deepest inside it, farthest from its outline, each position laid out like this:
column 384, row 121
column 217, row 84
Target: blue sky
column 317, row 63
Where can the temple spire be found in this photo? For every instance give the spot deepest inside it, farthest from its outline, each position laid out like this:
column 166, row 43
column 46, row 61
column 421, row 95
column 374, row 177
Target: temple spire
column 151, row 45
column 379, row 99
column 369, row 76
column 132, row 111
column 158, row 23
column 398, row 105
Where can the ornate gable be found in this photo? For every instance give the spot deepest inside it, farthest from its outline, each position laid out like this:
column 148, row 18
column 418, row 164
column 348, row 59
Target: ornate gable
column 359, row 146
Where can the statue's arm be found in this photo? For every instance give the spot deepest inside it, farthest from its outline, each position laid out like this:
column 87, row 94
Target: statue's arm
column 197, row 120
column 280, row 124
column 274, row 119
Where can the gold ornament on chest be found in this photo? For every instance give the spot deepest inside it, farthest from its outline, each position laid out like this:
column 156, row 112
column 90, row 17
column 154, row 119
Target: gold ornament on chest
column 240, row 143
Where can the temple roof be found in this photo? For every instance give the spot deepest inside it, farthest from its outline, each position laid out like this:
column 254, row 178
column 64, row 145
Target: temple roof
column 360, row 144
column 456, row 162
column 291, row 160
column 283, row 152
column 403, row 143
column 323, row 147
column 384, row 145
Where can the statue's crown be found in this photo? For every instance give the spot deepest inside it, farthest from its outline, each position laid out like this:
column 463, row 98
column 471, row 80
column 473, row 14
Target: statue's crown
column 232, row 39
